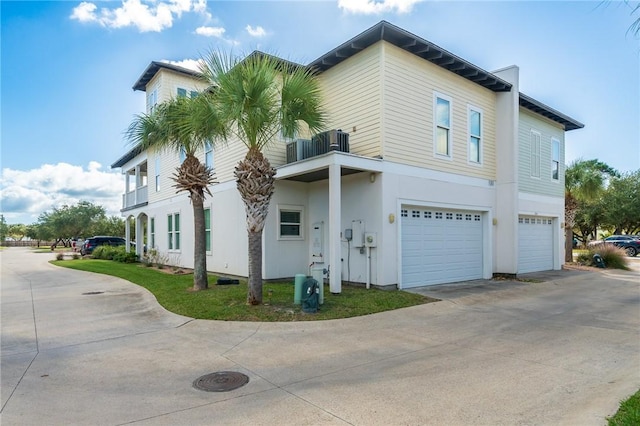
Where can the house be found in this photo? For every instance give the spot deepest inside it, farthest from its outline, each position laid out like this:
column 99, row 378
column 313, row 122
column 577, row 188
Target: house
column 432, row 170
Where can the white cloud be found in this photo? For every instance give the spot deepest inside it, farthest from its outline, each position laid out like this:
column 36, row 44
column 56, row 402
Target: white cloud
column 369, row 7
column 256, row 32
column 191, row 64
column 145, row 16
column 210, row 31
column 26, row 194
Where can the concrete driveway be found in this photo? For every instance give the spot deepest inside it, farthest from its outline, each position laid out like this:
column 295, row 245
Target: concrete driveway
column 85, row 349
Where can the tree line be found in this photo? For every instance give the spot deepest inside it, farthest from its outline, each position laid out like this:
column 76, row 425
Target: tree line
column 62, row 224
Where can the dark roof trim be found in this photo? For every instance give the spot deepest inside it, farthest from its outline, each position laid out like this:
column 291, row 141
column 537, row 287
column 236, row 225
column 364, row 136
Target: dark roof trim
column 153, row 69
column 415, row 45
column 130, row 155
column 552, row 114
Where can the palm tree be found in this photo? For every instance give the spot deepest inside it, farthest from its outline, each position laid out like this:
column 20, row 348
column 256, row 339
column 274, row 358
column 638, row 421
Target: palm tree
column 584, row 180
column 185, row 124
column 261, row 97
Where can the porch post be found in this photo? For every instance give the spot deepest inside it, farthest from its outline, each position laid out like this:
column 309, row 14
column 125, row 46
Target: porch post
column 139, row 236
column 335, row 208
column 127, row 233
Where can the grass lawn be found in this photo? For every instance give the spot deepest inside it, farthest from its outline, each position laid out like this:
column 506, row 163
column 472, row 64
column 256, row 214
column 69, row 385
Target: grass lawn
column 629, row 412
column 228, row 302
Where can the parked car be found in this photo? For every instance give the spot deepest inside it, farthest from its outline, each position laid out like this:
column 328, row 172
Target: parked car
column 629, row 243
column 91, row 243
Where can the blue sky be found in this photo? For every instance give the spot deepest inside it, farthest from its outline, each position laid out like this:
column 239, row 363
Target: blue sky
column 67, row 68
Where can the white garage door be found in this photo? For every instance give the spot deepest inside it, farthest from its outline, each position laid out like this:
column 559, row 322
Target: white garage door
column 535, row 244
column 440, row 246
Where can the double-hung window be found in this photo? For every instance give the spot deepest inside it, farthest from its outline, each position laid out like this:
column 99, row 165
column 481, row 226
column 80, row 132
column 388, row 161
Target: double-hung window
column 475, row 135
column 555, row 159
column 152, row 100
column 535, row 154
column 290, row 222
column 152, row 225
column 442, row 125
column 173, row 231
column 207, row 228
column 208, row 154
column 182, row 154
column 182, row 93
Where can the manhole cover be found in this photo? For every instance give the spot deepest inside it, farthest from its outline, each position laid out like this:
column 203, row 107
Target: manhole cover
column 92, row 292
column 222, row 381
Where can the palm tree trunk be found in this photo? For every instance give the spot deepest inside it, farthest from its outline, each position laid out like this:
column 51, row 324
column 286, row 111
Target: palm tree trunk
column 568, row 244
column 255, row 179
column 254, row 294
column 200, row 279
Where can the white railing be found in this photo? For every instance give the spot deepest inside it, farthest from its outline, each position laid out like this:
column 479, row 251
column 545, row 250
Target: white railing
column 133, row 198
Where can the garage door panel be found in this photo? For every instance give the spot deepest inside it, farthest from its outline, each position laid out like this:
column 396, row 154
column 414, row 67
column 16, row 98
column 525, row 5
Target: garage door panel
column 440, row 246
column 535, row 244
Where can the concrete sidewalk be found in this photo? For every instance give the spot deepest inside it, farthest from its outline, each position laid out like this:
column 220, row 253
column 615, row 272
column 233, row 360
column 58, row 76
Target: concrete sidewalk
column 85, row 349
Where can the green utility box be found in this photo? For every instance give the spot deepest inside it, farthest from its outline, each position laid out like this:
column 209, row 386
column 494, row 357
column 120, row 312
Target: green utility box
column 310, row 296
column 297, row 290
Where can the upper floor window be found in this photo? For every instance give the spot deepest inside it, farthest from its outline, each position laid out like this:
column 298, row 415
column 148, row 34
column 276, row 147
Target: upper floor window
column 442, row 121
column 194, row 94
column 555, row 159
column 535, row 154
column 475, row 135
column 182, row 93
column 208, row 154
column 152, row 100
column 182, row 155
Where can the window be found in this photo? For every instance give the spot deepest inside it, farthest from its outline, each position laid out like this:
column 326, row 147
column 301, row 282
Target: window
column 535, row 154
column 153, row 232
column 442, row 137
column 183, row 154
column 173, row 231
column 157, row 171
column 555, row 159
column 290, row 218
column 152, row 100
column 207, row 228
column 208, row 154
column 182, row 93
column 194, row 94
column 475, row 135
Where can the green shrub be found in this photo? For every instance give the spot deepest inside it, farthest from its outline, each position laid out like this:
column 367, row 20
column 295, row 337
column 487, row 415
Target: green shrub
column 614, row 257
column 59, row 256
column 118, row 254
column 124, row 257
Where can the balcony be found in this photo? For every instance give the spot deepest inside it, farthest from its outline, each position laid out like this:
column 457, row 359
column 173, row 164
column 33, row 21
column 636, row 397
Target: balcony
column 134, row 198
column 332, row 140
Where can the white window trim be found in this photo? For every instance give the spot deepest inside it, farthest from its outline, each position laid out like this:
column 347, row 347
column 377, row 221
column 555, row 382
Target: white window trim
column 157, row 184
column 152, row 100
column 293, row 208
column 447, row 98
column 210, row 229
column 556, row 140
column 480, row 161
column 174, row 232
column 531, row 165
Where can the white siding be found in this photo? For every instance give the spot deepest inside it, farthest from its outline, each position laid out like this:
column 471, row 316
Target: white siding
column 548, row 129
column 409, row 85
column 351, row 92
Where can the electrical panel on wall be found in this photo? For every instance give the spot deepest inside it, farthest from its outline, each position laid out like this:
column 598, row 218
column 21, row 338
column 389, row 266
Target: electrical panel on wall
column 317, row 242
column 357, row 227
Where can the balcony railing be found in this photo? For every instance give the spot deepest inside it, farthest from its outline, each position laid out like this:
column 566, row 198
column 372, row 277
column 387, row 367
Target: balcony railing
column 332, row 140
column 133, row 198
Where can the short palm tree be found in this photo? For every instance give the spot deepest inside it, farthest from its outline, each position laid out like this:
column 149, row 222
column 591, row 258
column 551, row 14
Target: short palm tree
column 584, row 180
column 185, row 124
column 261, row 97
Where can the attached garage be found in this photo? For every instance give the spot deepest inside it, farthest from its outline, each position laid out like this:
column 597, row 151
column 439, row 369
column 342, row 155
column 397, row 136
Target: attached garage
column 535, row 244
column 440, row 246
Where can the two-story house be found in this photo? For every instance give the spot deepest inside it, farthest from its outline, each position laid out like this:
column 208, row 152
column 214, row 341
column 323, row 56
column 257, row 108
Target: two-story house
column 432, row 170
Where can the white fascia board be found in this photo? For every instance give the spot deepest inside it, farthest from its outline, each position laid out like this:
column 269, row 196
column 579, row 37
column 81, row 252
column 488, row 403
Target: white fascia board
column 420, row 172
column 323, row 161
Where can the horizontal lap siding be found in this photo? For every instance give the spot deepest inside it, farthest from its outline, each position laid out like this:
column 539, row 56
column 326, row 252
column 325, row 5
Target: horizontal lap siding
column 544, row 185
column 351, row 96
column 409, row 85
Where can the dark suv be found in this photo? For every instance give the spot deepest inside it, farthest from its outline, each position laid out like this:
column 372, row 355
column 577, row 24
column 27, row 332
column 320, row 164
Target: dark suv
column 629, row 243
column 91, row 243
